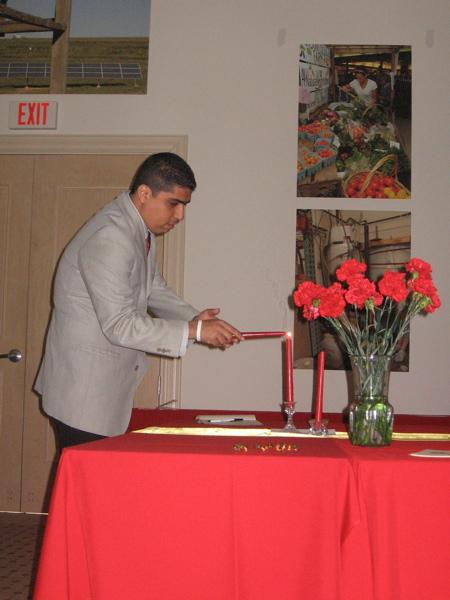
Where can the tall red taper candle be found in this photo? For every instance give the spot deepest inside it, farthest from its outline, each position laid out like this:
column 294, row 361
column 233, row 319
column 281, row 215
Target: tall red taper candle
column 319, row 386
column 289, row 383
column 253, row 335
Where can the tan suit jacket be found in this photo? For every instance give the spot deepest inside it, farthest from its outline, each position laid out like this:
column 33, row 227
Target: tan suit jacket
column 100, row 329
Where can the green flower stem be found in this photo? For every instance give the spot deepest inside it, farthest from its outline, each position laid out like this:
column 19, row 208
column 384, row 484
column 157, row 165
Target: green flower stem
column 371, row 423
column 376, row 330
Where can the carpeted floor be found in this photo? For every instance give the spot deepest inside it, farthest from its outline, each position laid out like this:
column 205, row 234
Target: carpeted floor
column 20, row 542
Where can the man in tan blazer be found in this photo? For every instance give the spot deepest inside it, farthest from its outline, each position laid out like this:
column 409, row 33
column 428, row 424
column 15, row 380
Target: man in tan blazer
column 106, row 281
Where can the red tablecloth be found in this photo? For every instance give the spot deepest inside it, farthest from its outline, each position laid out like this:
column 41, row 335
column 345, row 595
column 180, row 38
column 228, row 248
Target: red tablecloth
column 154, row 517
column 183, row 418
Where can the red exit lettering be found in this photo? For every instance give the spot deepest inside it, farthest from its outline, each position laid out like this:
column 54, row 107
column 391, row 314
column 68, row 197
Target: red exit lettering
column 32, row 113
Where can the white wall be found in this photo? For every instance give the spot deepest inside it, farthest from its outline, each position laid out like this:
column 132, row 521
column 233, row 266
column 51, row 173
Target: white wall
column 226, row 74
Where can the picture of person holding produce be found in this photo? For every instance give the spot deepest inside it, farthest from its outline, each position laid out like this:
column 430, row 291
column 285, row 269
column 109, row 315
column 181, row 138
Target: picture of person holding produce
column 363, row 87
column 352, row 140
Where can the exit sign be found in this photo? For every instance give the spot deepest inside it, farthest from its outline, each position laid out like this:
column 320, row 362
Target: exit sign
column 33, row 115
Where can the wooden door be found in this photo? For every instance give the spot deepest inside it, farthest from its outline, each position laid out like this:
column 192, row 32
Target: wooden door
column 16, row 181
column 59, row 181
column 44, row 202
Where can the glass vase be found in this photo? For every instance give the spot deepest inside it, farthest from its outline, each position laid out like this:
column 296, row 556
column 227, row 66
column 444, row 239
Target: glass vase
column 371, row 417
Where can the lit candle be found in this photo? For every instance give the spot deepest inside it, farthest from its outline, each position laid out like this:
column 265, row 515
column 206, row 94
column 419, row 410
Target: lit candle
column 288, row 373
column 319, row 386
column 289, row 383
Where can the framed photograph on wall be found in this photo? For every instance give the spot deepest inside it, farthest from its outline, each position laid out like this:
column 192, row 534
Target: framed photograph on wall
column 354, row 121
column 74, row 46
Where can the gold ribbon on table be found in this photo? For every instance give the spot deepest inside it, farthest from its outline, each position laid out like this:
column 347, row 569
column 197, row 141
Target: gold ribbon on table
column 412, row 437
column 219, row 431
column 260, row 432
column 409, row 437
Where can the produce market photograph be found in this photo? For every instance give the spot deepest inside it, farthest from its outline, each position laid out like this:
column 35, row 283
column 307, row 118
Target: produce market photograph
column 354, row 125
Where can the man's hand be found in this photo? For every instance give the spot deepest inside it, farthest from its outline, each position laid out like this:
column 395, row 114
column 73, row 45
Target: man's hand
column 207, row 314
column 214, row 331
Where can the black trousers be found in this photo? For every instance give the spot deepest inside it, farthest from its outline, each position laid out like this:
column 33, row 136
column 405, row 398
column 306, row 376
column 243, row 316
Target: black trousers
column 69, row 436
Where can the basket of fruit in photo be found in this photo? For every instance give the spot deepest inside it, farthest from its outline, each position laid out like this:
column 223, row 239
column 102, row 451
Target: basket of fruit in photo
column 376, row 184
column 321, row 144
column 328, row 156
column 309, row 161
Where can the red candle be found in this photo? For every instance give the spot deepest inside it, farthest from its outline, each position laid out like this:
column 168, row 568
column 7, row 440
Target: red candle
column 288, row 373
column 319, row 386
column 253, row 335
column 288, row 377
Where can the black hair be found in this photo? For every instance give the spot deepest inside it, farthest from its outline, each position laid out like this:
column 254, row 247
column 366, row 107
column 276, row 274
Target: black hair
column 163, row 171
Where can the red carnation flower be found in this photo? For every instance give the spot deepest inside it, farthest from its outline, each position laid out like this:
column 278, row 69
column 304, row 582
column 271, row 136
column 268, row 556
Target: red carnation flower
column 350, row 269
column 308, row 295
column 392, row 284
column 362, row 292
column 424, row 286
column 418, row 268
column 332, row 303
column 307, row 292
column 434, row 304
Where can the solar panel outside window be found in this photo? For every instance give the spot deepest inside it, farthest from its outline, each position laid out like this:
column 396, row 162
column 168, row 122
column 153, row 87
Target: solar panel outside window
column 74, row 70
column 37, row 71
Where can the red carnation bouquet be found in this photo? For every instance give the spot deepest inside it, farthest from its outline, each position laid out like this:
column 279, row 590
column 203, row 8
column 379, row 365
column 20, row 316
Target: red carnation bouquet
column 371, row 318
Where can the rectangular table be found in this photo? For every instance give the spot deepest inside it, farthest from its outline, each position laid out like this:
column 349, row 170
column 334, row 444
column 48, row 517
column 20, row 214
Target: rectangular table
column 163, row 517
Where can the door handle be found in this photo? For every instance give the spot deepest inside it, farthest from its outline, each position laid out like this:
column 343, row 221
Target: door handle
column 13, row 355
